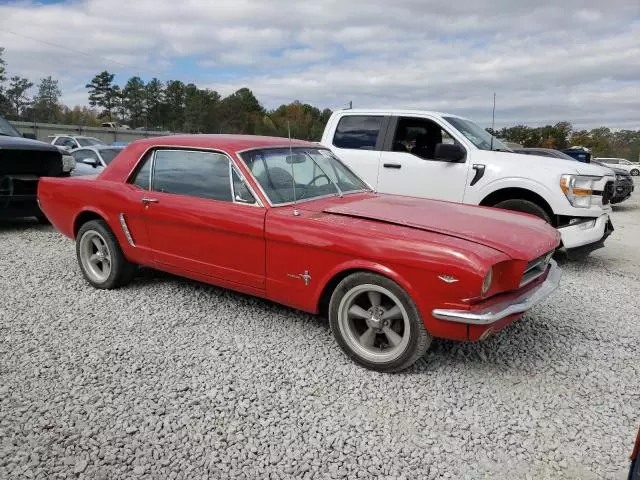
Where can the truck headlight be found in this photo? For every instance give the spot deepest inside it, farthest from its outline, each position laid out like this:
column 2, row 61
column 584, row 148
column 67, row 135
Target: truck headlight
column 486, row 283
column 578, row 189
column 68, row 163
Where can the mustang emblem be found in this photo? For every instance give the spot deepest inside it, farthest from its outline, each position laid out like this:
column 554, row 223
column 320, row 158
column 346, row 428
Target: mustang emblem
column 448, row 278
column 304, row 276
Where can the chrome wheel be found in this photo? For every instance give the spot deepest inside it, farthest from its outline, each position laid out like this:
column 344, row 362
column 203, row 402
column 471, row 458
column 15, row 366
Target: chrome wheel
column 374, row 323
column 95, row 256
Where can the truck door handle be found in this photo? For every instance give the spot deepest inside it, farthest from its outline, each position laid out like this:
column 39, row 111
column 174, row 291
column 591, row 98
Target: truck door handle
column 147, row 201
column 392, row 165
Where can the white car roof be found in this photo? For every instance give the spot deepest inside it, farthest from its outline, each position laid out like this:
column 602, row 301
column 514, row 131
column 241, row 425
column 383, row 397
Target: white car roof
column 397, row 111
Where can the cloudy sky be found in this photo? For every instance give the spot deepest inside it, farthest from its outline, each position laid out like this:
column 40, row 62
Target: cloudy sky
column 575, row 60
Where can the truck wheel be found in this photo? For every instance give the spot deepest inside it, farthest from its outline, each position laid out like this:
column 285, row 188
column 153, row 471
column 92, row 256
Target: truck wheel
column 376, row 323
column 100, row 257
column 635, row 172
column 524, row 206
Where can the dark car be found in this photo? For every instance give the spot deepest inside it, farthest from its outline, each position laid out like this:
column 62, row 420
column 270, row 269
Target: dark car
column 22, row 162
column 634, row 469
column 624, row 183
column 624, row 186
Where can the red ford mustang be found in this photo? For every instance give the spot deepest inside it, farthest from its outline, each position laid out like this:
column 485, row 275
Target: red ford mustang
column 288, row 221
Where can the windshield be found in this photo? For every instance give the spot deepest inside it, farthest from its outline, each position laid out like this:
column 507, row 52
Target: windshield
column 88, row 141
column 317, row 172
column 109, row 154
column 7, row 129
column 477, row 135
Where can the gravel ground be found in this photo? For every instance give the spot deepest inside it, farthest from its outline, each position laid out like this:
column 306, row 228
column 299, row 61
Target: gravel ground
column 169, row 379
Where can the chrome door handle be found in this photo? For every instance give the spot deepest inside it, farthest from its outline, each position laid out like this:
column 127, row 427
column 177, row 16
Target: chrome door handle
column 147, row 201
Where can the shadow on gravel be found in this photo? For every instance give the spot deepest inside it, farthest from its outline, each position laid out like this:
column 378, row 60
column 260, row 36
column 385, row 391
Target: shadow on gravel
column 21, row 224
column 625, row 207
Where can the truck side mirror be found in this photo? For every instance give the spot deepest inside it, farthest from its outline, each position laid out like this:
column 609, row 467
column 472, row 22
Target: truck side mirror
column 450, row 153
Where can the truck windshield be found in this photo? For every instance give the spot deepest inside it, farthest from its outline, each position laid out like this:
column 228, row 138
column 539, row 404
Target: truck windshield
column 286, row 175
column 7, row 129
column 477, row 135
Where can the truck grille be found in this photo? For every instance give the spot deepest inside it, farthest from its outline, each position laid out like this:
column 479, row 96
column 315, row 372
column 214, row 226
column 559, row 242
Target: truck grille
column 607, row 193
column 535, row 268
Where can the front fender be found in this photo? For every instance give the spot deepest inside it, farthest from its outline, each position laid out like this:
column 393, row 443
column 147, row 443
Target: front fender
column 477, row 196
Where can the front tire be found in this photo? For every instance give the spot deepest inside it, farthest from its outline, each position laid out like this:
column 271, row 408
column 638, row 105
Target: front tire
column 524, row 206
column 100, row 257
column 376, row 323
column 635, row 172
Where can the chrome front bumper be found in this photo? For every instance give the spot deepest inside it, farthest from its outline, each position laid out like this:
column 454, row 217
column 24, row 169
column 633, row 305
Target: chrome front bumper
column 501, row 310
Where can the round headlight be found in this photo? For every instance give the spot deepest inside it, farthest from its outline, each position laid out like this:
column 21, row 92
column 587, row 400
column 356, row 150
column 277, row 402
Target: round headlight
column 486, row 284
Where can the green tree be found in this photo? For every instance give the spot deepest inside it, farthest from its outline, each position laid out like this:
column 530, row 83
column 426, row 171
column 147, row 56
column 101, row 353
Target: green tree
column 104, row 93
column 200, row 109
column 3, row 101
column 47, row 101
column 17, row 95
column 154, row 98
column 241, row 112
column 133, row 101
column 174, row 105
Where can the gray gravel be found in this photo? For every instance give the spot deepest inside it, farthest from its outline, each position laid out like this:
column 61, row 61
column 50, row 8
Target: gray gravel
column 173, row 379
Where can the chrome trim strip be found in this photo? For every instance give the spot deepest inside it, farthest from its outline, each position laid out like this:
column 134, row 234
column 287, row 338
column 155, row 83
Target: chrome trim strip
column 509, row 307
column 126, row 231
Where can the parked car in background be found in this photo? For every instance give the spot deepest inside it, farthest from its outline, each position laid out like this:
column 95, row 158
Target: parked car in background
column 624, row 183
column 70, row 142
column 288, row 221
column 623, row 163
column 92, row 160
column 543, row 152
column 447, row 157
column 582, row 154
column 23, row 162
column 115, row 126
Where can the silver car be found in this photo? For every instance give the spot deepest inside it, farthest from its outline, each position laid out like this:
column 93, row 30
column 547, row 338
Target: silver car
column 92, row 160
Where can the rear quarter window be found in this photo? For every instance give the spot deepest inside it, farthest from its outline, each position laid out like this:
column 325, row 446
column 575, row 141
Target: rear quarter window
column 359, row 132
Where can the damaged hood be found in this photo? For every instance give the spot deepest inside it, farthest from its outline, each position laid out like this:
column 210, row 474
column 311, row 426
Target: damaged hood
column 521, row 236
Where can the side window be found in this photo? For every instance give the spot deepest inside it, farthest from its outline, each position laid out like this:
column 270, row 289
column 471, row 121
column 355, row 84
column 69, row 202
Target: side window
column 80, row 155
column 357, row 132
column 241, row 191
column 143, row 175
column 419, row 137
column 192, row 173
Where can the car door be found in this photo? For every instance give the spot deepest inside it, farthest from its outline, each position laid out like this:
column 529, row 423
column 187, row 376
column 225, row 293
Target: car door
column 408, row 165
column 197, row 223
column 357, row 141
column 87, row 162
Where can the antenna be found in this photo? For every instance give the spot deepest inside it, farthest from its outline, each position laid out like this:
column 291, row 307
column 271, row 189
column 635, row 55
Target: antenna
column 296, row 213
column 493, row 119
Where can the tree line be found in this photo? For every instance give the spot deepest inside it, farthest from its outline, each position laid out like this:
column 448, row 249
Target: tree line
column 179, row 107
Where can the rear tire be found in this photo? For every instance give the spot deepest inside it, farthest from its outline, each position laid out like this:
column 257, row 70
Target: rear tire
column 376, row 323
column 100, row 257
column 635, row 172
column 524, row 206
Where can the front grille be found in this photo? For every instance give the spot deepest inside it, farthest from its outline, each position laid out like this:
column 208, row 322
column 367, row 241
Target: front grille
column 535, row 268
column 607, row 193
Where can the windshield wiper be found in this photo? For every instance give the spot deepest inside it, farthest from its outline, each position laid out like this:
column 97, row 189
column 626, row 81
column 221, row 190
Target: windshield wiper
column 501, row 150
column 5, row 134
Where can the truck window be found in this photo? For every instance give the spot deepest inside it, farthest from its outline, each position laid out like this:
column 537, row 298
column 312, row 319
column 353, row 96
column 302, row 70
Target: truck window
column 419, row 136
column 358, row 132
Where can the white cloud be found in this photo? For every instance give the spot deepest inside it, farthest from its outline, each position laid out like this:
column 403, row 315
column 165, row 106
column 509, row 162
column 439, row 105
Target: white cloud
column 547, row 61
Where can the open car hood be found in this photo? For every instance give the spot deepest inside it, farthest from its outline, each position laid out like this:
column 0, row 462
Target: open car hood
column 521, row 236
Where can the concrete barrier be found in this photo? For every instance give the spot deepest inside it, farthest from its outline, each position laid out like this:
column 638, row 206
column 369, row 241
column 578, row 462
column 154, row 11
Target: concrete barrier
column 42, row 131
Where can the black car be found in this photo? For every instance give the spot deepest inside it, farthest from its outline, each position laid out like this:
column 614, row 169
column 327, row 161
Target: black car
column 624, row 183
column 22, row 162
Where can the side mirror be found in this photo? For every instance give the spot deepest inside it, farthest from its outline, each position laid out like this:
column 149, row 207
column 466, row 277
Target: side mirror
column 90, row 161
column 450, row 153
column 31, row 136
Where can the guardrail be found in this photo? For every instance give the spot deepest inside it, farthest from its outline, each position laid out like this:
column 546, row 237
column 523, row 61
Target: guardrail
column 43, row 131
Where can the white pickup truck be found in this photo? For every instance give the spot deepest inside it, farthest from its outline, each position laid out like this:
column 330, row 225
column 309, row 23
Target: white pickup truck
column 447, row 157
